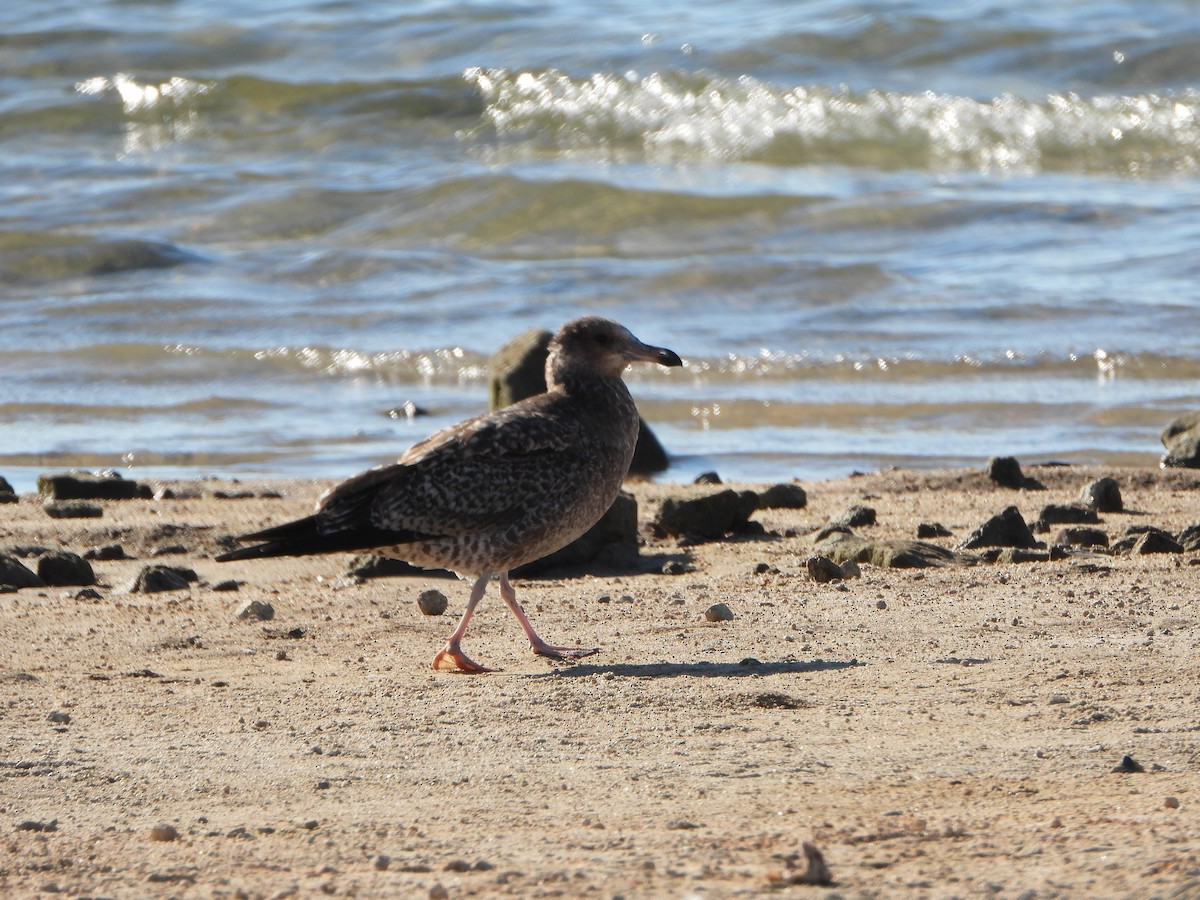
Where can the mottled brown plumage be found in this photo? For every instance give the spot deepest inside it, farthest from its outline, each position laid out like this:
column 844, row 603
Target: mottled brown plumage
column 496, row 491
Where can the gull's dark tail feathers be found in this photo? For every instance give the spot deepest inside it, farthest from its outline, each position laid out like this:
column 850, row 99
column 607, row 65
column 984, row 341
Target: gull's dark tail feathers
column 303, row 538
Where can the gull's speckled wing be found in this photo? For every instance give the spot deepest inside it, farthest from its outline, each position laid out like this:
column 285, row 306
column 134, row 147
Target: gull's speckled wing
column 473, row 478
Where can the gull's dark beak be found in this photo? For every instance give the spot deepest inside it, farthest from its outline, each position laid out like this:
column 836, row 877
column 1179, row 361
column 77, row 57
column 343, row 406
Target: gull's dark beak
column 637, row 351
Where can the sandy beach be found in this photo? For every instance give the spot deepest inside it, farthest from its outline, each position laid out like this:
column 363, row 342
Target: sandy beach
column 949, row 731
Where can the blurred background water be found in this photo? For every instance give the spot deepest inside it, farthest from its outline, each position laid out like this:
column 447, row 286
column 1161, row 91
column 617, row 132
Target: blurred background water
column 236, row 239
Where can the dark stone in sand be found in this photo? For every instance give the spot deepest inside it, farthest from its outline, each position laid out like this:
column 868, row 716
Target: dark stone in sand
column 107, row 552
column 7, row 494
column 853, row 517
column 711, row 516
column 72, row 509
column 613, row 541
column 91, row 486
column 518, row 370
column 1181, row 437
column 823, row 570
column 707, row 478
column 14, row 573
column 932, row 530
column 59, row 568
column 153, row 579
column 1189, row 538
column 1065, row 514
column 1155, row 541
column 1082, row 537
column 1006, row 529
column 1128, row 766
column 785, row 495
column 1102, row 495
column 842, row 548
column 1006, row 472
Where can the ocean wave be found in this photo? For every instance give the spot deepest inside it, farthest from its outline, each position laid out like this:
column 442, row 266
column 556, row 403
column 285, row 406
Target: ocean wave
column 679, row 115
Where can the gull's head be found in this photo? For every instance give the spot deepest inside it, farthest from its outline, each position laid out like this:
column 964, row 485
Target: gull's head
column 600, row 347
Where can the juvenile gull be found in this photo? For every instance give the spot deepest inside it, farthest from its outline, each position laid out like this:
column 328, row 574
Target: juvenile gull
column 496, row 491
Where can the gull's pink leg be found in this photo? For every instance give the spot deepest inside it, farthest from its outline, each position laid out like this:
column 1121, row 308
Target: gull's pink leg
column 451, row 656
column 539, row 646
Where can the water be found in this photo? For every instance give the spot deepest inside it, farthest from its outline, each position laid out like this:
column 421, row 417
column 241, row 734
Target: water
column 236, row 241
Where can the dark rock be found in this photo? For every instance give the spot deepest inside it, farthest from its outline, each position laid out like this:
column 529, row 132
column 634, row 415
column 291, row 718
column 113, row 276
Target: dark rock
column 1082, row 537
column 707, row 478
column 61, row 568
column 823, row 570
column 1006, row 472
column 518, row 370
column 91, row 486
column 711, row 516
column 1155, row 541
column 371, row 565
column 256, row 610
column 14, row 573
column 1128, row 766
column 613, row 541
column 1102, row 495
column 153, row 579
column 932, row 530
column 677, row 567
column 1189, row 538
column 1006, row 529
column 406, row 410
column 71, row 509
column 843, row 548
column 785, row 495
column 1182, row 439
column 227, row 585
column 854, row 517
column 5, row 487
column 106, row 553
column 1065, row 514
column 432, row 603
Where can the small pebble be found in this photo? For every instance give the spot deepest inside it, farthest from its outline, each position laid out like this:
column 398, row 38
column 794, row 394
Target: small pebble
column 881, row 604
column 256, row 609
column 677, row 567
column 227, row 585
column 1171, row 803
column 718, row 612
column 164, row 833
column 439, row 892
column 1128, row 765
column 58, row 717
column 432, row 602
column 382, row 861
column 823, row 570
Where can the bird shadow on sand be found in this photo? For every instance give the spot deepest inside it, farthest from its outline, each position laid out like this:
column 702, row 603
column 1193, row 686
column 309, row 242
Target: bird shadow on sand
column 701, row 669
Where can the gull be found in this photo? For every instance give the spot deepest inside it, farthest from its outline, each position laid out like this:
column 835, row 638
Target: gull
column 495, row 491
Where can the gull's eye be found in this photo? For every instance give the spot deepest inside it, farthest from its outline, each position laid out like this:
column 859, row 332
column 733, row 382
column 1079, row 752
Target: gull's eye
column 602, row 339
